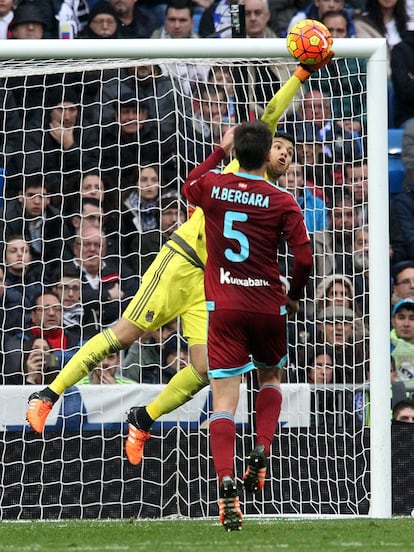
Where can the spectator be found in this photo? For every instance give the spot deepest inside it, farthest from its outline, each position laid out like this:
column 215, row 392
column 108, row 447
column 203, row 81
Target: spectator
column 333, row 246
column 133, row 138
column 40, row 363
column 159, row 91
column 402, row 281
column 178, row 21
column 257, row 19
column 143, row 361
column 210, row 119
column 91, row 186
column 142, row 203
column 68, row 287
column 21, row 283
column 32, row 216
column 62, row 148
column 351, row 360
column 92, row 207
column 314, row 208
column 102, row 22
column 106, row 286
column 402, row 339
column 316, row 123
column 47, row 323
column 6, row 15
column 402, row 70
column 281, row 12
column 320, row 373
column 148, row 244
column 140, row 210
column 316, row 10
column 221, row 76
column 383, row 18
column 334, row 291
column 403, row 412
column 107, row 373
column 47, row 320
column 136, row 21
column 321, row 367
column 174, row 356
column 357, row 268
column 402, row 223
column 356, row 186
column 317, row 167
column 29, row 22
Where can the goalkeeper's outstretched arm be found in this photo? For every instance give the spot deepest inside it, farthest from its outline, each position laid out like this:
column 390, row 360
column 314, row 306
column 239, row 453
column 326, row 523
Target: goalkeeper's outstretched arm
column 281, row 100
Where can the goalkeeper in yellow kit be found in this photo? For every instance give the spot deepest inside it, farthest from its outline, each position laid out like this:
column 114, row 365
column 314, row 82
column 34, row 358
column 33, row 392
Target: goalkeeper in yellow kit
column 172, row 286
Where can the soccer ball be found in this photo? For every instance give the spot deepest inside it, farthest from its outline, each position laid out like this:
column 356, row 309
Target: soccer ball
column 309, row 41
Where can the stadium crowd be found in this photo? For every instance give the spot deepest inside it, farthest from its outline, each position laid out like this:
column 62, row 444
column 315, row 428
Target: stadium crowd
column 94, row 160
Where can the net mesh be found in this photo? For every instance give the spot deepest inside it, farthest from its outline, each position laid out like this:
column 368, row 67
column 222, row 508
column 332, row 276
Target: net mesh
column 89, row 131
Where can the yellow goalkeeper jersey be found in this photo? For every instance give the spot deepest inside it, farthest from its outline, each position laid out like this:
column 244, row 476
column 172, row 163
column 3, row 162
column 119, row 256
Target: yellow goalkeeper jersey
column 190, row 238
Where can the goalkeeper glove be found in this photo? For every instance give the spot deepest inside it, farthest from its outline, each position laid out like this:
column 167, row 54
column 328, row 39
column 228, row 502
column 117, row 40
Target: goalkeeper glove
column 304, row 71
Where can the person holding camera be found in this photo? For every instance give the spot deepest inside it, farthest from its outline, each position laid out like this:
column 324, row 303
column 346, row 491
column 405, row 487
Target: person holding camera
column 40, row 363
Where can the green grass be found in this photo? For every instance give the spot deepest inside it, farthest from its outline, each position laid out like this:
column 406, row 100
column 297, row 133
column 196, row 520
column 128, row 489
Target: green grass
column 207, row 535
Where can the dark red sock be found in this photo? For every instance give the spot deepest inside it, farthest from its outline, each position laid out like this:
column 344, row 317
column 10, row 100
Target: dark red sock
column 268, row 405
column 222, row 441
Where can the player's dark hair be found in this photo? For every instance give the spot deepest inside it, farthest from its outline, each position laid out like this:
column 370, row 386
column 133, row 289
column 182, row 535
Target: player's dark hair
column 286, row 135
column 252, row 143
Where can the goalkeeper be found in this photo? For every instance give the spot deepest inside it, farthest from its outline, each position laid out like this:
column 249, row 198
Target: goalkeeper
column 172, row 286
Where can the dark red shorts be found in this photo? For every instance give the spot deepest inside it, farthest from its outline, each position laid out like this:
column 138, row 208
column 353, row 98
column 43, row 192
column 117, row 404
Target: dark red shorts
column 237, row 337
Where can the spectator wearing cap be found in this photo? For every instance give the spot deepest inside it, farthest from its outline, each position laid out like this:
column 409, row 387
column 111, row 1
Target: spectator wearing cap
column 159, row 91
column 402, row 339
column 132, row 138
column 102, row 22
column 28, row 23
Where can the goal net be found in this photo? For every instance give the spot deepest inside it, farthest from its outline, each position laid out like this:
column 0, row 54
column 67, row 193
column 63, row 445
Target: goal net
column 96, row 143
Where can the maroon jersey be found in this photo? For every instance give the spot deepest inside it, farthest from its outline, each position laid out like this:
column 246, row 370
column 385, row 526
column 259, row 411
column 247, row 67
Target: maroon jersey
column 245, row 218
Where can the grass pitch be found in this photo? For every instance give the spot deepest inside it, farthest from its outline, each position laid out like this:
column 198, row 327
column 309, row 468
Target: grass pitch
column 208, row 536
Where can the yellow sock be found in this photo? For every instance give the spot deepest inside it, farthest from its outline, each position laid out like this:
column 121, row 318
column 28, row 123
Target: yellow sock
column 180, row 389
column 85, row 360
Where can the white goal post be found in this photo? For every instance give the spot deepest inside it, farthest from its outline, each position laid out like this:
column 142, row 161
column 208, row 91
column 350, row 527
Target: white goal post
column 18, row 57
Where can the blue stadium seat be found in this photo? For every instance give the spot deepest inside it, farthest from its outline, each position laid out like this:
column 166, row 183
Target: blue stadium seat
column 396, row 171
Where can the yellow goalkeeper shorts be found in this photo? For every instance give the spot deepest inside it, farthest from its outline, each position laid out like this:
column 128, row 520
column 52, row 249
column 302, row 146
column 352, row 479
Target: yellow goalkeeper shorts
column 171, row 287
